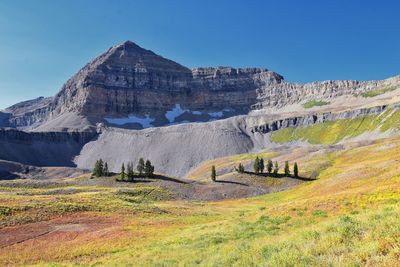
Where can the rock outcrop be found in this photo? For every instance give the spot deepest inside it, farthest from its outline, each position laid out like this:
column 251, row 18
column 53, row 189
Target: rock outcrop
column 260, row 125
column 129, row 80
column 42, row 149
column 131, row 87
column 175, row 150
column 278, row 95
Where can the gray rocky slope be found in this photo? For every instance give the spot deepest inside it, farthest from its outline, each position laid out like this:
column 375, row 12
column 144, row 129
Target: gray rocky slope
column 232, row 110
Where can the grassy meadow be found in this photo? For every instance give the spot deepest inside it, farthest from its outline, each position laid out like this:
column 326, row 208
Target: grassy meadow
column 347, row 217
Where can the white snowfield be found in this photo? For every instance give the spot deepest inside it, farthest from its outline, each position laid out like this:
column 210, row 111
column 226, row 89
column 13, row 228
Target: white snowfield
column 218, row 114
column 174, row 113
column 170, row 115
column 146, row 122
column 178, row 111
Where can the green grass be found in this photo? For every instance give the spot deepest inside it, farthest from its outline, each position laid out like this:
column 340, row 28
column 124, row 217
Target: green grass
column 347, row 217
column 366, row 239
column 48, row 202
column 379, row 91
column 315, row 103
column 334, row 131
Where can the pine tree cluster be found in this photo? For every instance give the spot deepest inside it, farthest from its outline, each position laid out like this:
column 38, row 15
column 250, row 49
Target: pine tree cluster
column 100, row 168
column 144, row 168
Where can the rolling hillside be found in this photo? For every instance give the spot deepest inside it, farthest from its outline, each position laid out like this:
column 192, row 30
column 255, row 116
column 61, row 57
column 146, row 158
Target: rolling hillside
column 348, row 216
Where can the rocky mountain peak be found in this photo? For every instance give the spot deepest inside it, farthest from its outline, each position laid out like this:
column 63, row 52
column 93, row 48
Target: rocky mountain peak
column 131, row 87
column 129, row 47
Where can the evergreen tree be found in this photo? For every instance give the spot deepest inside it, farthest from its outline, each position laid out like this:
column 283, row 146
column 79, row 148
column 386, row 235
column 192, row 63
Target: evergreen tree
column 148, row 169
column 106, row 172
column 122, row 174
column 95, row 168
column 269, row 166
column 296, row 170
column 129, row 171
column 213, row 173
column 152, row 171
column 140, row 166
column 287, row 169
column 101, row 166
column 98, row 168
column 261, row 165
column 256, row 165
column 240, row 168
column 276, row 168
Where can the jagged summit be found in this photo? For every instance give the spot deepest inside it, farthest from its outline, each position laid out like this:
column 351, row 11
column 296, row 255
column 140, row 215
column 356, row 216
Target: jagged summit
column 132, row 87
column 132, row 47
column 130, row 57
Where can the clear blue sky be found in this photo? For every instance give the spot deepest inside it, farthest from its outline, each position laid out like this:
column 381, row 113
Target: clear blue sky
column 43, row 43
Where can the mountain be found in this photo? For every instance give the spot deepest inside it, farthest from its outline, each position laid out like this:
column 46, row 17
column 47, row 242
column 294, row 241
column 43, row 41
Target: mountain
column 129, row 85
column 130, row 102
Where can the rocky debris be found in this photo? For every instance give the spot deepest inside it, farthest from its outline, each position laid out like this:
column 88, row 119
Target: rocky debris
column 174, row 150
column 128, row 81
column 131, row 87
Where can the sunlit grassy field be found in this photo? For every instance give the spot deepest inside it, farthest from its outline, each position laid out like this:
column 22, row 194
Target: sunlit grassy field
column 347, row 217
column 332, row 132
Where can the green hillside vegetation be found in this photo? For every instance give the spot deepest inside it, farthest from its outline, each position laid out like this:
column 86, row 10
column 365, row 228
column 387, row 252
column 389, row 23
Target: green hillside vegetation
column 348, row 217
column 379, row 91
column 315, row 103
column 334, row 131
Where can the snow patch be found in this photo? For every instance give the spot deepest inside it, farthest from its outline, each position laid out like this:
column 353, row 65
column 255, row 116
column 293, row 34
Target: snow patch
column 218, row 114
column 146, row 122
column 174, row 113
column 177, row 111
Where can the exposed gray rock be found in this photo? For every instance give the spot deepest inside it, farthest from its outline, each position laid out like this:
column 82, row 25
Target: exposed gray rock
column 312, row 118
column 131, row 87
column 174, row 150
column 42, row 149
column 13, row 170
column 29, row 114
column 128, row 80
column 278, row 95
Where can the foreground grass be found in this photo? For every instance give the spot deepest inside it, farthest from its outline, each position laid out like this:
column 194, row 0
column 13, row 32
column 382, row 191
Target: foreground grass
column 348, row 217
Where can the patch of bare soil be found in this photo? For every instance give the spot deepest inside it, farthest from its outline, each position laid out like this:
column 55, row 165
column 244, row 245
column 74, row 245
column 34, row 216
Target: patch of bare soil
column 64, row 228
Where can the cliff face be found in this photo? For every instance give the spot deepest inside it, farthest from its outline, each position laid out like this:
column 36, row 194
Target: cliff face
column 42, row 149
column 174, row 150
column 278, row 95
column 258, row 126
column 128, row 79
column 132, row 87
